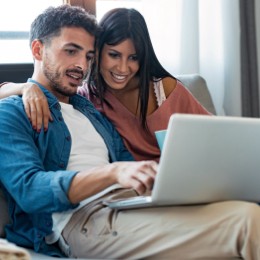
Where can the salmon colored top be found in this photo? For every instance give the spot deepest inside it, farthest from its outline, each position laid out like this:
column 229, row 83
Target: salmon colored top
column 142, row 145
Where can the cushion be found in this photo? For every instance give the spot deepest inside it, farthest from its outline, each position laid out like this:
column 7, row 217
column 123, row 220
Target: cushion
column 199, row 89
column 4, row 218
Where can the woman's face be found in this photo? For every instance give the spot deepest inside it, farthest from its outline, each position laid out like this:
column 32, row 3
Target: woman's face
column 119, row 64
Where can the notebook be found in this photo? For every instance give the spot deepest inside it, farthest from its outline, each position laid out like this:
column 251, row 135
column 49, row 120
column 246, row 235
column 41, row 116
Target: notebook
column 205, row 159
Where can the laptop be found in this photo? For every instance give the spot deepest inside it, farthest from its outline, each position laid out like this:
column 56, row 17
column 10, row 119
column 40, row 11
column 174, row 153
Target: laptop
column 204, row 159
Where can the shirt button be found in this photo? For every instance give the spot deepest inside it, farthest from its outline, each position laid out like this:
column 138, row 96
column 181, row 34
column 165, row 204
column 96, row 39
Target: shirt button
column 48, row 223
column 68, row 138
column 60, row 118
column 114, row 233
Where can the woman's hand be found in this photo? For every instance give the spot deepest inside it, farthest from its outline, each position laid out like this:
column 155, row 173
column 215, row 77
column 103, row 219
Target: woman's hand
column 36, row 106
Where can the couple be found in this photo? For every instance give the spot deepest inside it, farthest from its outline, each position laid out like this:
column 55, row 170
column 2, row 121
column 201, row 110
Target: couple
column 55, row 180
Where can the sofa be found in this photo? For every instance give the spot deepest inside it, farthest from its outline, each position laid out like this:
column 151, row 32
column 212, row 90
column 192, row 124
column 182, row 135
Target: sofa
column 197, row 86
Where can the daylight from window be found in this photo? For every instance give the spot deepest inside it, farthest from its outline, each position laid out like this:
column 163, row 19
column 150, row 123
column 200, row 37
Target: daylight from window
column 102, row 6
column 15, row 26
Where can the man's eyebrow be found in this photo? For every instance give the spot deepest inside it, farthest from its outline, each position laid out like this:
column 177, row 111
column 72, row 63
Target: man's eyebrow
column 71, row 44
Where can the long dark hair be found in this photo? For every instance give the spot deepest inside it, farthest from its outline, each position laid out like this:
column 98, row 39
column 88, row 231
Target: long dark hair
column 118, row 25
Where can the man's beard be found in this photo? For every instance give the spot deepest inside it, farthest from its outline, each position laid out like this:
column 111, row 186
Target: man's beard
column 55, row 81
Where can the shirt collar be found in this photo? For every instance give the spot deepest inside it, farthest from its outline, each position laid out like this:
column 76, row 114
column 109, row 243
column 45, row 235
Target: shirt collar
column 76, row 100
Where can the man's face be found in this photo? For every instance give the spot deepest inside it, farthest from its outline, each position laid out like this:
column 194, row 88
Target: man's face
column 65, row 61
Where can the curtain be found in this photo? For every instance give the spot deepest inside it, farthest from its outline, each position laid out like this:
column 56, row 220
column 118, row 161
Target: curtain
column 204, row 37
column 249, row 66
column 200, row 36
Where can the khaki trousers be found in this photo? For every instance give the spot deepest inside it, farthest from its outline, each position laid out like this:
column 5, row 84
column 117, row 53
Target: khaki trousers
column 213, row 231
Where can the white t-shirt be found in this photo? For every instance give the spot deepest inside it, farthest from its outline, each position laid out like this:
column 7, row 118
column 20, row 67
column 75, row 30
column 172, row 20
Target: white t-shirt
column 88, row 150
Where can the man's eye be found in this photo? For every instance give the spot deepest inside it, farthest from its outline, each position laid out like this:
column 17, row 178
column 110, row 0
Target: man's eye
column 90, row 57
column 70, row 52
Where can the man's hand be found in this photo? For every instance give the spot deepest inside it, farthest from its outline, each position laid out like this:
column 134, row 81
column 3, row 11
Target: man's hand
column 137, row 175
column 36, row 106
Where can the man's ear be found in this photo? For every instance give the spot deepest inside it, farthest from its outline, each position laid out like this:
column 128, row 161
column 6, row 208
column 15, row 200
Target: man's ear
column 37, row 48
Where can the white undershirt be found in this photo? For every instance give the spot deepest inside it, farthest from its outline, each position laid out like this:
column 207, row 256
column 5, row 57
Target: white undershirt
column 88, row 150
column 159, row 92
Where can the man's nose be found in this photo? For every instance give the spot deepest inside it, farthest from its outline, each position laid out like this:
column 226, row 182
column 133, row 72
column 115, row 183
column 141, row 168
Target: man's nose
column 82, row 64
column 78, row 67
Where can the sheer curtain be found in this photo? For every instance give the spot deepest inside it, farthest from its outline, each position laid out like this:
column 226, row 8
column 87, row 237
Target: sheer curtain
column 196, row 36
column 200, row 36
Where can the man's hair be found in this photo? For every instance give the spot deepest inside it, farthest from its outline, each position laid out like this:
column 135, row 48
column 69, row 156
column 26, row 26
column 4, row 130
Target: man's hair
column 49, row 23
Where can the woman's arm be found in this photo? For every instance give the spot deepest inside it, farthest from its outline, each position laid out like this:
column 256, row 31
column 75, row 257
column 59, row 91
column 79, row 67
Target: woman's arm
column 8, row 89
column 35, row 102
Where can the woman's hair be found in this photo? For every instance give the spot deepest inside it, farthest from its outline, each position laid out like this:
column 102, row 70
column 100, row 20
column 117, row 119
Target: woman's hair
column 118, row 25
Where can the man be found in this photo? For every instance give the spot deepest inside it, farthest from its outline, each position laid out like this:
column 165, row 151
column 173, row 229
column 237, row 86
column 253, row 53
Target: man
column 55, row 181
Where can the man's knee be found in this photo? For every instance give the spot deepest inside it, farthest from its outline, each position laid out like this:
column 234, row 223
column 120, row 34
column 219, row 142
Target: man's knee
column 249, row 212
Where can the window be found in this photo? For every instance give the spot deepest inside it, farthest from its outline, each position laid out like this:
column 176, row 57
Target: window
column 102, row 6
column 15, row 20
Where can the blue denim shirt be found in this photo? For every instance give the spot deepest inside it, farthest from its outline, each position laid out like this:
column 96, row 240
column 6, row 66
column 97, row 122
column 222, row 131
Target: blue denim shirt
column 33, row 166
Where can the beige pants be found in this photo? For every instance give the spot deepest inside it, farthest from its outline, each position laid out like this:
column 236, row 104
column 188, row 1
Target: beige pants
column 214, row 231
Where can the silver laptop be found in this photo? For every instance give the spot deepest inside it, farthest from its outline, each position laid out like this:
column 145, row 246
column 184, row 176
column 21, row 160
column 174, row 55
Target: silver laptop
column 205, row 159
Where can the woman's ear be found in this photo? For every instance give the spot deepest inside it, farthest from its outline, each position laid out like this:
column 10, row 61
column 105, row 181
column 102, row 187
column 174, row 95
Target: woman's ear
column 36, row 48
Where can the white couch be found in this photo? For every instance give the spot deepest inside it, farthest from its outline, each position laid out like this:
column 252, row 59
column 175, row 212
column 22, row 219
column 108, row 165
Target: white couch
column 198, row 87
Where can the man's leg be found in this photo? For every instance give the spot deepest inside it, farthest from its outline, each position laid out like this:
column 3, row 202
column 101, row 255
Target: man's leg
column 218, row 230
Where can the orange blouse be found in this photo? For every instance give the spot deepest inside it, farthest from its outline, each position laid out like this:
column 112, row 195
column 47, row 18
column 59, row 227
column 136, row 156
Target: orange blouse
column 143, row 145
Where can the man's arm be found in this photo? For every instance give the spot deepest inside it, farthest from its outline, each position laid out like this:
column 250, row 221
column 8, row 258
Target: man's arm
column 37, row 189
column 137, row 175
column 23, row 173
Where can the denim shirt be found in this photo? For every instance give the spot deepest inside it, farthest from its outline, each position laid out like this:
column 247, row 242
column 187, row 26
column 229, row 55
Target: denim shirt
column 33, row 166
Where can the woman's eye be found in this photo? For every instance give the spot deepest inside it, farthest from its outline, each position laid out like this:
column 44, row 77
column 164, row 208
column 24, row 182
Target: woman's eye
column 134, row 58
column 113, row 55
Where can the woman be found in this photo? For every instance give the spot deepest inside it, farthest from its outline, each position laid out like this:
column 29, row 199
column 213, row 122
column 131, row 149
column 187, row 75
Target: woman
column 128, row 84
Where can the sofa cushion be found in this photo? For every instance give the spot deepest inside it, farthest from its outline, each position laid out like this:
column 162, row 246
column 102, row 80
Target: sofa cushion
column 198, row 87
column 4, row 218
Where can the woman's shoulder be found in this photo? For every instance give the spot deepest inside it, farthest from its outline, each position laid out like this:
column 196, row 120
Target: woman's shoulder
column 169, row 84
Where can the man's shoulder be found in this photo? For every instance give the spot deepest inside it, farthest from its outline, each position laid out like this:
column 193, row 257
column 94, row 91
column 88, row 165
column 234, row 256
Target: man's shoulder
column 78, row 100
column 14, row 100
column 12, row 105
